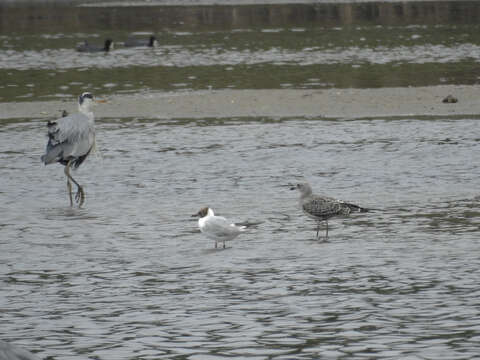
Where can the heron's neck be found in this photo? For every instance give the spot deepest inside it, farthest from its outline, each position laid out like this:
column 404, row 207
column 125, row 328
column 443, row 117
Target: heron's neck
column 87, row 111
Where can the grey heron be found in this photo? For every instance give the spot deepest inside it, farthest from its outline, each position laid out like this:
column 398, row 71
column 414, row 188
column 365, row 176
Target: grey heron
column 86, row 47
column 322, row 208
column 13, row 352
column 70, row 141
column 217, row 227
column 134, row 42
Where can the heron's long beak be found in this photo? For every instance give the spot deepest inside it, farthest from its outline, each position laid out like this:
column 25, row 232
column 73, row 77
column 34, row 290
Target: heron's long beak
column 194, row 215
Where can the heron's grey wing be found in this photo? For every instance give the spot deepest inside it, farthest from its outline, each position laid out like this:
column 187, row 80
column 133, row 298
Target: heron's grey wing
column 69, row 137
column 12, row 352
column 219, row 226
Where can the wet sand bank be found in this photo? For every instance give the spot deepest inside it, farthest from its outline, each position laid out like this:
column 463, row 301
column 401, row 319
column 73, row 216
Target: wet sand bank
column 330, row 103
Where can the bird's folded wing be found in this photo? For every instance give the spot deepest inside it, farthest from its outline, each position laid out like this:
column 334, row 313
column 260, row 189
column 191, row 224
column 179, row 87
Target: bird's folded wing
column 71, row 128
column 220, row 226
column 319, row 206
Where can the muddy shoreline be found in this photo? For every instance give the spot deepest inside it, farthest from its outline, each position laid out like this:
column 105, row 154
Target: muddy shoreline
column 331, row 103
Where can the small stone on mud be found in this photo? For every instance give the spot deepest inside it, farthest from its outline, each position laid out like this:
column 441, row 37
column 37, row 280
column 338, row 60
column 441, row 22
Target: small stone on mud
column 450, row 99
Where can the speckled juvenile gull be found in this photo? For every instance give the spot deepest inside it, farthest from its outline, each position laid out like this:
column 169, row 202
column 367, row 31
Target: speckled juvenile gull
column 322, row 208
column 217, row 227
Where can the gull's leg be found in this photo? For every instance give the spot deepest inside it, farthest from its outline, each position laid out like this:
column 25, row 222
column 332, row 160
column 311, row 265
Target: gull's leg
column 318, row 228
column 224, row 244
column 326, row 232
column 215, row 244
column 80, row 195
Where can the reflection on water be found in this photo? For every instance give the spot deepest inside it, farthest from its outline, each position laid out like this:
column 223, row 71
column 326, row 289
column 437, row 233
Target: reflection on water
column 130, row 276
column 63, row 17
column 268, row 46
column 190, row 57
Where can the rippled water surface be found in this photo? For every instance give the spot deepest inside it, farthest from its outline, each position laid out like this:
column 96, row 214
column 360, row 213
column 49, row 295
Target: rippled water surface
column 129, row 275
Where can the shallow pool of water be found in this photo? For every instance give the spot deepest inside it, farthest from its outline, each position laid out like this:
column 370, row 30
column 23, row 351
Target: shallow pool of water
column 129, row 276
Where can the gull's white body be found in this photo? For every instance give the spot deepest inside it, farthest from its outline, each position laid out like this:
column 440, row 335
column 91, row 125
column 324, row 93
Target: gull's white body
column 218, row 228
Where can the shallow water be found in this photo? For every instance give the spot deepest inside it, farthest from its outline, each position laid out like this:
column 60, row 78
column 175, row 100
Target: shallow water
column 129, row 276
column 243, row 47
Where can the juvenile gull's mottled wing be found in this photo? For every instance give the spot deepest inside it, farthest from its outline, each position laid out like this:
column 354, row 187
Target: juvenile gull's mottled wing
column 324, row 207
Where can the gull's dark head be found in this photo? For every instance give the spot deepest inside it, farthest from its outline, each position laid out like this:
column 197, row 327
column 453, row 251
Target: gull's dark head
column 201, row 213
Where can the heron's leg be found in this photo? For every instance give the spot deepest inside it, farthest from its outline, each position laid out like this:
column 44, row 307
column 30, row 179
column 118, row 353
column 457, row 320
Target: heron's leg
column 318, row 228
column 80, row 195
column 215, row 244
column 224, row 244
column 326, row 232
column 69, row 190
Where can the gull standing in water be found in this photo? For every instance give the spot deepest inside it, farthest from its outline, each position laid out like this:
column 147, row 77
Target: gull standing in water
column 217, row 227
column 12, row 352
column 70, row 141
column 322, row 208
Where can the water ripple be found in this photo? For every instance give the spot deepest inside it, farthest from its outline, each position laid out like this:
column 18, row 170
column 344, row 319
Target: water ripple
column 130, row 276
column 178, row 56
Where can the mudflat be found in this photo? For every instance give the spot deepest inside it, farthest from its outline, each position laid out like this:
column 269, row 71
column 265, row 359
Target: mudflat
column 329, row 103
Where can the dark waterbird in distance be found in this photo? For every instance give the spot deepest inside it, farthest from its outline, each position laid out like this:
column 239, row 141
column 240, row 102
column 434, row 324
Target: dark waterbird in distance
column 322, row 208
column 70, row 141
column 86, row 47
column 132, row 41
column 13, row 352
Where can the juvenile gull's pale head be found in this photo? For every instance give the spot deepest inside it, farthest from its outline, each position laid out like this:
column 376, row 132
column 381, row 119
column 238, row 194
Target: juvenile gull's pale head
column 304, row 188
